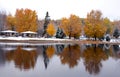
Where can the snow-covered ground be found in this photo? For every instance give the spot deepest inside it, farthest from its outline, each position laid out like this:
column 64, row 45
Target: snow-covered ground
column 115, row 40
column 27, row 38
column 52, row 39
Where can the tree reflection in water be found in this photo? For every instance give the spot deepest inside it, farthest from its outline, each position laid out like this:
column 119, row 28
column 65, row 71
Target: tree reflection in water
column 93, row 56
column 46, row 59
column 23, row 59
column 50, row 51
column 70, row 55
column 59, row 48
column 116, row 52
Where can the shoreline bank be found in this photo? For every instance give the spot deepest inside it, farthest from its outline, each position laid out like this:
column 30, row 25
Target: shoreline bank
column 64, row 41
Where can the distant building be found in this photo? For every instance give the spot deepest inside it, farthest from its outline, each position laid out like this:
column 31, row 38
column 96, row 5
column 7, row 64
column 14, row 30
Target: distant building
column 28, row 34
column 9, row 33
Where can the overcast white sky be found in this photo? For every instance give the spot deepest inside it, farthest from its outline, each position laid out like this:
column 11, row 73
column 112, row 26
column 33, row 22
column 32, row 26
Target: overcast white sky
column 63, row 8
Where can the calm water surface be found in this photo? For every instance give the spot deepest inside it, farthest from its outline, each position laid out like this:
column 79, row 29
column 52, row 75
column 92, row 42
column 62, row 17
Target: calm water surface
column 59, row 60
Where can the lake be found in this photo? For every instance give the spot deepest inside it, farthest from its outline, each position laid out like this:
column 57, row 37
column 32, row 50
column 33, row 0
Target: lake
column 59, row 60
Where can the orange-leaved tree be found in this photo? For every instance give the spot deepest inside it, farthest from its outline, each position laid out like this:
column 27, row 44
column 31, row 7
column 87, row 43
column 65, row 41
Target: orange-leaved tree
column 26, row 19
column 51, row 29
column 11, row 21
column 94, row 25
column 109, row 25
column 71, row 26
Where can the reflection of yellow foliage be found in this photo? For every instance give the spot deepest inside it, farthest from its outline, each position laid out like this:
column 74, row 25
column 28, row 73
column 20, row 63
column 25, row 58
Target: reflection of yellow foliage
column 70, row 55
column 95, row 53
column 51, row 29
column 93, row 57
column 10, row 56
column 22, row 59
column 50, row 51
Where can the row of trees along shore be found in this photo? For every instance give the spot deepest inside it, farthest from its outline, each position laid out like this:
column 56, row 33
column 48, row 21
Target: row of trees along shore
column 93, row 26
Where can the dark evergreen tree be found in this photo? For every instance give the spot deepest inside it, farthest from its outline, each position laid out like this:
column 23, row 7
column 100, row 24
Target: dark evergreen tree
column 60, row 33
column 116, row 33
column 47, row 21
column 107, row 38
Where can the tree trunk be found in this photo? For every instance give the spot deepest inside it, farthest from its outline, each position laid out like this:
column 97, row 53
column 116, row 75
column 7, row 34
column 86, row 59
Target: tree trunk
column 95, row 37
column 70, row 35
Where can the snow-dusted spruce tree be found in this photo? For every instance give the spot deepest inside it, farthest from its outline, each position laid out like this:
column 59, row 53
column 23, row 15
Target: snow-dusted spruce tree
column 60, row 33
column 107, row 38
column 116, row 33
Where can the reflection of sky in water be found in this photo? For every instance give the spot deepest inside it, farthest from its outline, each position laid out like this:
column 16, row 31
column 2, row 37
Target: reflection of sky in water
column 110, row 68
column 2, row 58
column 55, row 69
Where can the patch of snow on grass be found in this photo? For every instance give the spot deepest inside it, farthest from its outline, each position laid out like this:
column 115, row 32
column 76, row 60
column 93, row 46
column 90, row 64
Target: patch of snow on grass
column 115, row 40
column 27, row 38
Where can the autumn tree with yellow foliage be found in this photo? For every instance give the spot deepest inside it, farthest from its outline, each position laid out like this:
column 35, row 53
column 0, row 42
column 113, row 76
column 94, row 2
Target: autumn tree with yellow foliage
column 94, row 25
column 71, row 26
column 11, row 21
column 109, row 25
column 26, row 20
column 51, row 29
